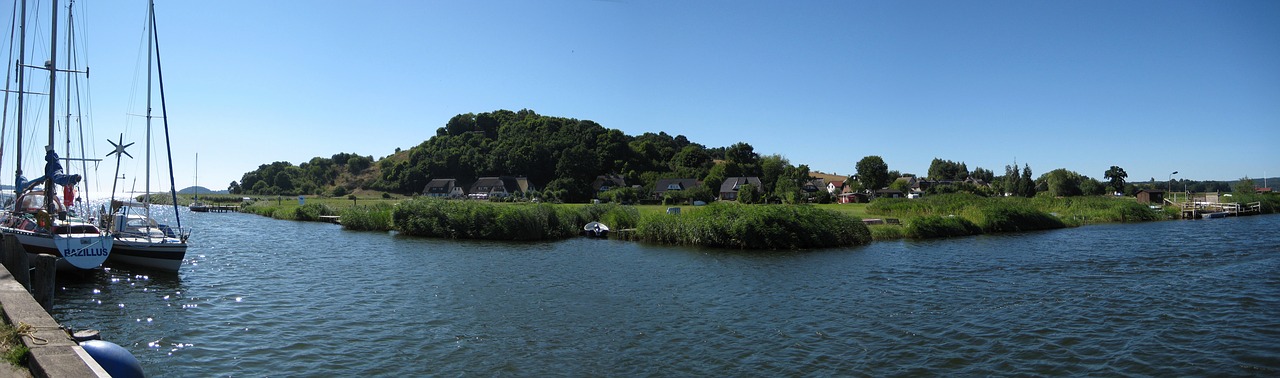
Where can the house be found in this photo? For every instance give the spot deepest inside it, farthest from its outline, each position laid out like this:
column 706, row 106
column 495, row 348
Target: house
column 498, row 187
column 661, row 187
column 889, row 193
column 605, row 182
column 850, row 197
column 1155, row 196
column 812, row 186
column 443, row 188
column 729, row 189
column 1263, row 190
column 835, row 187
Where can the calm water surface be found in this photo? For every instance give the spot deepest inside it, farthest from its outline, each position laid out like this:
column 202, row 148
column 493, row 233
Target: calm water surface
column 264, row 297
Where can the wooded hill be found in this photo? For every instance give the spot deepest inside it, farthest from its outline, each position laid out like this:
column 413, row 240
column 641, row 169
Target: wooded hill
column 560, row 156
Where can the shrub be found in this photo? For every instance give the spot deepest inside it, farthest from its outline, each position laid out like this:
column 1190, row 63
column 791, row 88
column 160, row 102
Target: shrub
column 312, row 212
column 934, row 226
column 483, row 220
column 731, row 225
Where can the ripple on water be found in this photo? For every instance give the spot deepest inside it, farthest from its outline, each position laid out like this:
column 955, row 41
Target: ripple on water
column 1098, row 300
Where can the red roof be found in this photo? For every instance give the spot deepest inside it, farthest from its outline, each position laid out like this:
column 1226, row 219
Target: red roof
column 1264, row 190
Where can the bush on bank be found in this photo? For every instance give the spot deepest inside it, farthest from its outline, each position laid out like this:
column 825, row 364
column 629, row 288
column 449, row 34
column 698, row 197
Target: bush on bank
column 933, row 226
column 732, row 225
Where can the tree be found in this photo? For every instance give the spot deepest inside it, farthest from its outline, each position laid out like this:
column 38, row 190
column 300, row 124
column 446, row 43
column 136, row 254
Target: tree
column 986, row 175
column 948, row 170
column 873, row 173
column 1062, row 183
column 1026, row 186
column 1245, row 185
column 748, row 193
column 1115, row 178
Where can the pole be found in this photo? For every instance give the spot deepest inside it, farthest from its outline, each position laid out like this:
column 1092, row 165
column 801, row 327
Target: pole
column 52, row 65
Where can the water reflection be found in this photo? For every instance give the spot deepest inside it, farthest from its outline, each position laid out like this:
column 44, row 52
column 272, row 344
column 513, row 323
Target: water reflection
column 259, row 296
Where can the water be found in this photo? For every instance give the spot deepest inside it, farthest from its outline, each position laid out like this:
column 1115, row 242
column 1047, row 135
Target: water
column 267, row 297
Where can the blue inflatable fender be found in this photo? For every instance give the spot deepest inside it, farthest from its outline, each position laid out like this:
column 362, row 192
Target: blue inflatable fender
column 113, row 358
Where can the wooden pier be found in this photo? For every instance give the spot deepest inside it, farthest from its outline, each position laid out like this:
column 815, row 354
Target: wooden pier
column 224, row 209
column 1199, row 210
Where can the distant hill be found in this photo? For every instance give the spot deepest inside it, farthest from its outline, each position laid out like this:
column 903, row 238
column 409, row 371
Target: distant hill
column 201, row 190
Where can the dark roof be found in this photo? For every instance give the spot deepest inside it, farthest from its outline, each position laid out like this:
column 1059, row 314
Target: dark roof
column 684, row 184
column 611, row 181
column 507, row 183
column 440, row 186
column 1151, row 191
column 731, row 184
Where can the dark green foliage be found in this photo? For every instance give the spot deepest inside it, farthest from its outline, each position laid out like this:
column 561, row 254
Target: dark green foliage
column 1011, row 216
column 947, row 170
column 873, row 173
column 479, row 220
column 731, row 225
column 496, row 221
column 1115, row 178
column 615, row 216
column 934, row 226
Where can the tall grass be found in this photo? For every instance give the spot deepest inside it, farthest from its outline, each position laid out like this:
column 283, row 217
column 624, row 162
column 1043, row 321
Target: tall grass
column 376, row 217
column 1000, row 214
column 732, row 225
column 503, row 221
column 933, row 226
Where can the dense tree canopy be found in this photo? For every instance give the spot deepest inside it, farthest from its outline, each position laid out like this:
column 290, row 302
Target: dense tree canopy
column 562, row 155
column 873, row 173
column 1115, row 178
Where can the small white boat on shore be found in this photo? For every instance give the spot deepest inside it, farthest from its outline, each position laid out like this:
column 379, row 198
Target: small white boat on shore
column 595, row 229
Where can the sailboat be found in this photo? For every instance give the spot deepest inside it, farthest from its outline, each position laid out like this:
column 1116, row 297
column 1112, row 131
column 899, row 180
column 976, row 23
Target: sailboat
column 139, row 239
column 38, row 218
column 196, row 205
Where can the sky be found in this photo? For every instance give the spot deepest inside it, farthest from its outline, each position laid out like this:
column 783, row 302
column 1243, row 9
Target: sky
column 1151, row 86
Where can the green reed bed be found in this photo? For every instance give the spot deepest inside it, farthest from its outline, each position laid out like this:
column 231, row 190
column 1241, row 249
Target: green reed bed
column 732, row 225
column 1004, row 214
column 503, row 221
column 933, row 226
column 376, row 217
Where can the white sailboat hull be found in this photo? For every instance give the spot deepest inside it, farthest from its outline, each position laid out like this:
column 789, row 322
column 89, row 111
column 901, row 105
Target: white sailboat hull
column 75, row 251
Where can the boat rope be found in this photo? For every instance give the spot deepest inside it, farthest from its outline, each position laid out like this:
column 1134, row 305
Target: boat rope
column 28, row 330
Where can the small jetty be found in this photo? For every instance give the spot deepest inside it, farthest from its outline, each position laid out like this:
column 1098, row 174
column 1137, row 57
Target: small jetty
column 1210, row 205
column 224, row 209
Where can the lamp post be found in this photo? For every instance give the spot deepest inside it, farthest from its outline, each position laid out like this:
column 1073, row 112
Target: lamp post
column 1171, row 182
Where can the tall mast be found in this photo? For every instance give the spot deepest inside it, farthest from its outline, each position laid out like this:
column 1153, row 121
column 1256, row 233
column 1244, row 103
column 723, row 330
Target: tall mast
column 147, row 186
column 52, row 66
column 22, row 59
column 164, row 110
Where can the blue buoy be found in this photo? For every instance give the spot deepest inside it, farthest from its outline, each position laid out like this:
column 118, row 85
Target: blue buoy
column 113, row 358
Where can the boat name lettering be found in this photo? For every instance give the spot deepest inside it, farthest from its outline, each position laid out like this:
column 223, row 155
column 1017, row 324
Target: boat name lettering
column 86, row 252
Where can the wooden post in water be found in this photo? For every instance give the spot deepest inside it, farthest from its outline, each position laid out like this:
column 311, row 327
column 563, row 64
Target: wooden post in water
column 17, row 261
column 42, row 283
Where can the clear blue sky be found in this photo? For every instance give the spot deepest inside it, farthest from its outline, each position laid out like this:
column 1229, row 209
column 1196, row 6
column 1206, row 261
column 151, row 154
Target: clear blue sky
column 1151, row 86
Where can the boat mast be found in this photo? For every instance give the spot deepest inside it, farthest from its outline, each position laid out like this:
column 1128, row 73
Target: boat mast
column 51, row 65
column 22, row 59
column 146, row 201
column 173, row 189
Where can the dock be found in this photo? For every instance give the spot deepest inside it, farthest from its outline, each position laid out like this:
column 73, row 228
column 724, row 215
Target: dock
column 224, row 209
column 1207, row 206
